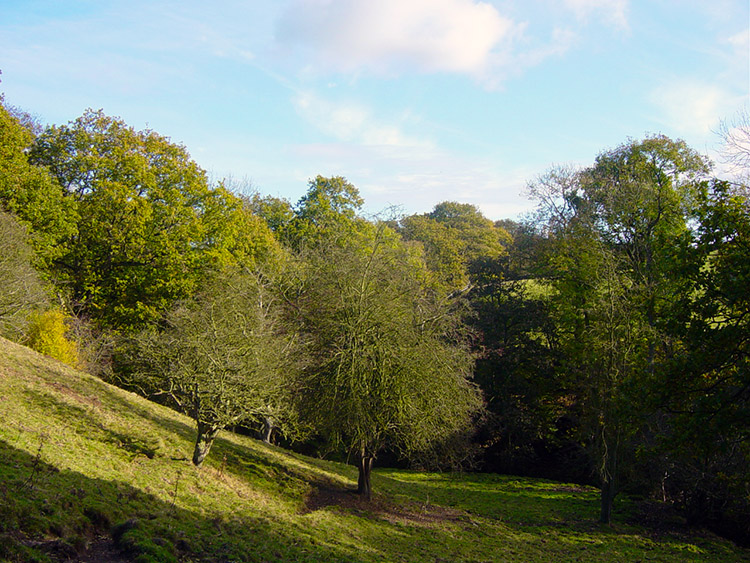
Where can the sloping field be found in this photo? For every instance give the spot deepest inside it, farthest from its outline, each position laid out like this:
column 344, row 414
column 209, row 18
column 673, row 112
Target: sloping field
column 89, row 472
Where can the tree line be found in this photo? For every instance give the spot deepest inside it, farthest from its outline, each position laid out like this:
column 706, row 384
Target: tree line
column 603, row 339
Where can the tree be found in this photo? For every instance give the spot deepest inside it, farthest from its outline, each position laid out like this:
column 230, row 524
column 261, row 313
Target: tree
column 327, row 211
column 612, row 228
column 528, row 430
column 480, row 236
column 606, row 346
column 22, row 290
column 707, row 388
column 457, row 239
column 389, row 365
column 735, row 150
column 148, row 224
column 276, row 212
column 442, row 247
column 30, row 193
column 223, row 359
column 641, row 195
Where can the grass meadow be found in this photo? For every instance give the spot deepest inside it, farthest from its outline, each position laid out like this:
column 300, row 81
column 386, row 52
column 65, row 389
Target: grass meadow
column 92, row 473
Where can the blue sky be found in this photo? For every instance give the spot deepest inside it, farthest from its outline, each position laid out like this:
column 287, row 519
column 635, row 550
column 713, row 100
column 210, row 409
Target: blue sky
column 414, row 101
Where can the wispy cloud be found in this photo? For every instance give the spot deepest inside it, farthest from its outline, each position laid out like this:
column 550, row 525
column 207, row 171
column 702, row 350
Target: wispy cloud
column 695, row 105
column 351, row 122
column 692, row 107
column 394, row 36
column 613, row 12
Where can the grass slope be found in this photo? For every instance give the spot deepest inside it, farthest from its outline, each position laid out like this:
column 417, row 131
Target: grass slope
column 89, row 472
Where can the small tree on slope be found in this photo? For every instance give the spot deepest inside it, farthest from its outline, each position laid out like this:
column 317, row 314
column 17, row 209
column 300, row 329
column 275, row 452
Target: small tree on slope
column 223, row 358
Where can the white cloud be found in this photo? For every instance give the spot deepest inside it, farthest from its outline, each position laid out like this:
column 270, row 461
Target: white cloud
column 692, row 107
column 612, row 11
column 739, row 59
column 390, row 36
column 351, row 122
column 741, row 41
column 561, row 41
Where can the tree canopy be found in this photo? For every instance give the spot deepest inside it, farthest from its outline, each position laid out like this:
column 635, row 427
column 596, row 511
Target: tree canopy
column 224, row 358
column 30, row 193
column 148, row 225
column 389, row 364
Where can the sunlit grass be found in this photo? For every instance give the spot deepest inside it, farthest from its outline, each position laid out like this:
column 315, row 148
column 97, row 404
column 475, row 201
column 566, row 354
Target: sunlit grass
column 82, row 462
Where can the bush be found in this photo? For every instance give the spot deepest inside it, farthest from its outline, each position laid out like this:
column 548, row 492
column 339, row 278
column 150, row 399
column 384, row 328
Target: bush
column 47, row 335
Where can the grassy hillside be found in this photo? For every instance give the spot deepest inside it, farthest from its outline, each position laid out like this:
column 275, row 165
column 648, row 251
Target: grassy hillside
column 89, row 472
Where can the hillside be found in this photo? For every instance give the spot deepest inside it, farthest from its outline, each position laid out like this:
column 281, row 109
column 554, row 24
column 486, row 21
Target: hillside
column 89, row 472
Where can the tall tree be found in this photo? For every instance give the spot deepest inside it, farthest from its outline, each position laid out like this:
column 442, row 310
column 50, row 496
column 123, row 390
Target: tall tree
column 457, row 240
column 389, row 365
column 30, row 192
column 707, row 388
column 612, row 227
column 148, row 225
column 328, row 211
column 641, row 195
column 481, row 237
column 443, row 250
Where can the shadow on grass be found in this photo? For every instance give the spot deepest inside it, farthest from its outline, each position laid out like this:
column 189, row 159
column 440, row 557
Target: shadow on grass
column 76, row 409
column 46, row 512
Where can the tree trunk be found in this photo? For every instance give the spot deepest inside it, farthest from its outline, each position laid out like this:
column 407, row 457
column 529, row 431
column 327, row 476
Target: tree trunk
column 609, row 489
column 206, row 435
column 364, row 486
column 607, row 499
column 266, row 432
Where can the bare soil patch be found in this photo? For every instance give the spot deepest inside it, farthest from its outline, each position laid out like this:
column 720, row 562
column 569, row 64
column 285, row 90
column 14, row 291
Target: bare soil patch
column 381, row 507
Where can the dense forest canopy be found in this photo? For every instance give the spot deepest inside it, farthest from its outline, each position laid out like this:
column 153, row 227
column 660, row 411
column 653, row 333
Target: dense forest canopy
column 603, row 339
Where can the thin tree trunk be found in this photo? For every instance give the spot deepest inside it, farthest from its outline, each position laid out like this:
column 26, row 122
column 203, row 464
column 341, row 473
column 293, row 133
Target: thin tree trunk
column 608, row 490
column 364, row 486
column 267, row 431
column 204, row 441
column 606, row 500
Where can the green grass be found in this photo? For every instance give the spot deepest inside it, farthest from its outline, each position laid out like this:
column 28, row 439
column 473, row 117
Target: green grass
column 87, row 468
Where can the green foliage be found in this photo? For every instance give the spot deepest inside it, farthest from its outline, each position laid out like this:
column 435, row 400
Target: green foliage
column 481, row 238
column 276, row 212
column 22, row 291
column 612, row 228
column 708, row 383
column 457, row 239
column 442, row 247
column 389, row 365
column 326, row 214
column 48, row 334
column 235, row 236
column 223, row 359
column 30, row 193
column 148, row 224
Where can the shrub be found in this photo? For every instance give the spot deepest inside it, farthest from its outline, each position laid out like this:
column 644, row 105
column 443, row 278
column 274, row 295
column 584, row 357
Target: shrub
column 47, row 334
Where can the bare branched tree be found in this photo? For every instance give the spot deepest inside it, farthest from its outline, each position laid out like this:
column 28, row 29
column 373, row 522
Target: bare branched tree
column 735, row 149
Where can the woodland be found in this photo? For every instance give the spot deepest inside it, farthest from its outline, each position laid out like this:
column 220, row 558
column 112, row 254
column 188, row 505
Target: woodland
column 602, row 340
